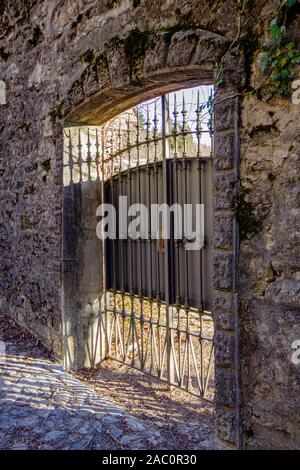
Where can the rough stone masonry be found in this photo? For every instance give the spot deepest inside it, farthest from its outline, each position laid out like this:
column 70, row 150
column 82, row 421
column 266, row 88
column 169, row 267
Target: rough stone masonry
column 86, row 61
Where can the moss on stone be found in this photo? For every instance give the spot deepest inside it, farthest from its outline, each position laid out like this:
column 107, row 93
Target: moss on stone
column 46, row 165
column 112, row 3
column 249, row 224
column 135, row 46
column 30, row 190
column 101, row 60
column 88, row 56
column 4, row 55
column 55, row 113
column 36, row 36
column 250, row 45
column 26, row 126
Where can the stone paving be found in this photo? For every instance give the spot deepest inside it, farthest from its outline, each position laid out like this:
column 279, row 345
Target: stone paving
column 43, row 407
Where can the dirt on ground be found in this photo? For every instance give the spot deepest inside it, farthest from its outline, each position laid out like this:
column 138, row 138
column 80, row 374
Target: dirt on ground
column 186, row 421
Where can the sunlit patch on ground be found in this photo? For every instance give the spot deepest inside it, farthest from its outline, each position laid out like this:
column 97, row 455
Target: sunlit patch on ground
column 43, row 407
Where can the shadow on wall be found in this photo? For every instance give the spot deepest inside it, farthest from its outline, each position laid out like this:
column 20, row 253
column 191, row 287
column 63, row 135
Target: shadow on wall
column 82, row 250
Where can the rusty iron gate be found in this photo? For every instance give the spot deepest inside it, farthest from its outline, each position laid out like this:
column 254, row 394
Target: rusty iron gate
column 156, row 298
column 157, row 293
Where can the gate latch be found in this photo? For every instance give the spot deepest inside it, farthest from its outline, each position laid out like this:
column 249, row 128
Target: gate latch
column 161, row 242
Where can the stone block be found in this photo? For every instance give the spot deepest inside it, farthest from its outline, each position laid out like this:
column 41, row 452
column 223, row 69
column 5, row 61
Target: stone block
column 182, row 47
column 223, row 274
column 90, row 81
column 224, row 153
column 206, row 48
column 224, row 190
column 223, row 230
column 225, row 387
column 155, row 58
column 227, row 426
column 225, row 307
column 225, row 349
column 225, row 113
column 118, row 67
column 76, row 94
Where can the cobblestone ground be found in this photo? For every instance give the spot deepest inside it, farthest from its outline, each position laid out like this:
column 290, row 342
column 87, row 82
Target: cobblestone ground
column 43, row 407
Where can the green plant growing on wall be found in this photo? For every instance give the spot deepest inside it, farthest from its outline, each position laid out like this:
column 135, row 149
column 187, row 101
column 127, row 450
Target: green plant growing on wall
column 280, row 56
column 242, row 7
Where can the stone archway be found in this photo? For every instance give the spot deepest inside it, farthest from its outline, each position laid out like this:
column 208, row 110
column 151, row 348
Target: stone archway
column 115, row 81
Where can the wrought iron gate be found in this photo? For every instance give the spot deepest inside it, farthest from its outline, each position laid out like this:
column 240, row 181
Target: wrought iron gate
column 157, row 294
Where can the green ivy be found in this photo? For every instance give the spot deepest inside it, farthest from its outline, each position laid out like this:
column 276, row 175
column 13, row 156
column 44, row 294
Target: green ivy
column 280, row 56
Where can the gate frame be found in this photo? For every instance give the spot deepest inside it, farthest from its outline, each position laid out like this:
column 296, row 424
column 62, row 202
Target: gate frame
column 168, row 293
column 115, row 99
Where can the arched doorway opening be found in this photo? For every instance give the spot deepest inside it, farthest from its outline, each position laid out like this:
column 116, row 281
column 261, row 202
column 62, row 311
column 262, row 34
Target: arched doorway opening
column 153, row 308
column 86, row 338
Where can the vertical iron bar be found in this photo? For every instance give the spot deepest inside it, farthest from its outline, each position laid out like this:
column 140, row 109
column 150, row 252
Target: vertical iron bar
column 167, row 251
column 183, row 132
column 97, row 156
column 79, row 156
column 186, row 255
column 89, row 158
column 113, row 243
column 70, row 161
column 150, row 243
column 106, row 293
column 122, row 248
column 140, row 242
column 131, row 244
column 158, row 293
column 198, row 125
column 175, row 129
column 200, row 176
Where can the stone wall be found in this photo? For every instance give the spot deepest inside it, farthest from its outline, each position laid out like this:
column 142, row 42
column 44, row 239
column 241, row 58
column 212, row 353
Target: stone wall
column 85, row 61
column 269, row 273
